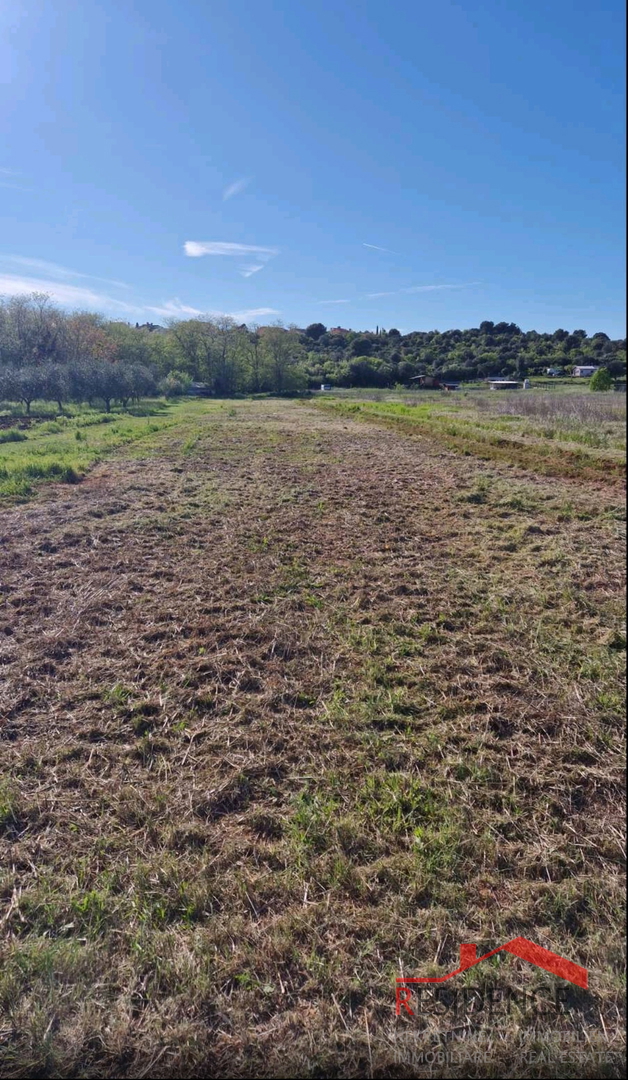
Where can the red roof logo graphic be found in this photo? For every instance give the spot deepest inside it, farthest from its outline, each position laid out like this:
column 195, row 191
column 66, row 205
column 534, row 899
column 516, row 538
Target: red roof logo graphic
column 525, row 950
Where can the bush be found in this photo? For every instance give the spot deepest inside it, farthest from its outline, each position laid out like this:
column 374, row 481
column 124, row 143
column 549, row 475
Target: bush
column 12, row 435
column 175, row 384
column 601, row 380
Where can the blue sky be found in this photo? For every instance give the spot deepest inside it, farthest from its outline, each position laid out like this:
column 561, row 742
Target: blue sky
column 409, row 164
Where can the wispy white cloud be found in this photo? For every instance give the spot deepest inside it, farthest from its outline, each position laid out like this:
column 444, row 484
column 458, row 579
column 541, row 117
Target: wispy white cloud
column 250, row 314
column 56, row 281
column 72, row 296
column 376, row 247
column 408, row 289
column 175, row 309
column 196, row 248
column 11, row 178
column 236, row 187
column 15, row 187
column 54, row 270
column 261, row 255
column 433, row 288
column 422, row 288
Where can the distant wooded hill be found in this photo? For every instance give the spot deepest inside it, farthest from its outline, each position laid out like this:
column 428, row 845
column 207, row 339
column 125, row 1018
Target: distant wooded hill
column 387, row 357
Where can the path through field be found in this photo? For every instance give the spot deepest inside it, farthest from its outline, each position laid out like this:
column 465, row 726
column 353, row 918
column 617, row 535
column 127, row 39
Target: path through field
column 293, row 704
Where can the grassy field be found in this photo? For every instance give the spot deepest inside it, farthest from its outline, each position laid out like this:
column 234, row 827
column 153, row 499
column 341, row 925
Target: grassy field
column 559, row 434
column 297, row 697
column 64, row 447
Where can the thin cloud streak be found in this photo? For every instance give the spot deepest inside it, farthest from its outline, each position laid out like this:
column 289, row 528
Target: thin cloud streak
column 433, row 288
column 13, row 180
column 42, row 266
column 82, row 298
column 422, row 288
column 250, row 314
column 175, row 309
column 14, row 187
column 73, row 296
column 235, row 188
column 172, row 309
column 196, row 248
column 376, row 247
column 400, row 292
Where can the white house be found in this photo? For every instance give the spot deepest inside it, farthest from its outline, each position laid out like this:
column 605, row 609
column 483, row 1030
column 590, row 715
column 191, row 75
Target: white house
column 585, row 371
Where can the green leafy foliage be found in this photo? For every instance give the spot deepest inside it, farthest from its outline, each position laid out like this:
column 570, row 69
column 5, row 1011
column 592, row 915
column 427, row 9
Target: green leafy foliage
column 49, row 355
column 601, row 380
column 382, row 359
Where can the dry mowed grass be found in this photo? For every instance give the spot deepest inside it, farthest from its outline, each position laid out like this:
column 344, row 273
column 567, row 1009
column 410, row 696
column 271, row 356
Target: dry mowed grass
column 291, row 705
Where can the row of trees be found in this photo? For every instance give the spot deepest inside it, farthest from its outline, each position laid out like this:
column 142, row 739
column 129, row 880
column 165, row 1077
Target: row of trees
column 48, row 353
column 99, row 381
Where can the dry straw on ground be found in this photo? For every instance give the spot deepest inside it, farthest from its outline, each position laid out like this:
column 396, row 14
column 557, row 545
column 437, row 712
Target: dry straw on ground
column 292, row 705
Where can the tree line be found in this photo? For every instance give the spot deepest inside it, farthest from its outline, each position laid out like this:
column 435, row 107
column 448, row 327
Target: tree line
column 49, row 354
column 387, row 357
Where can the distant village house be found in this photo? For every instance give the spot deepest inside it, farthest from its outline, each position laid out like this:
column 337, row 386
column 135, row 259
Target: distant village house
column 432, row 382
